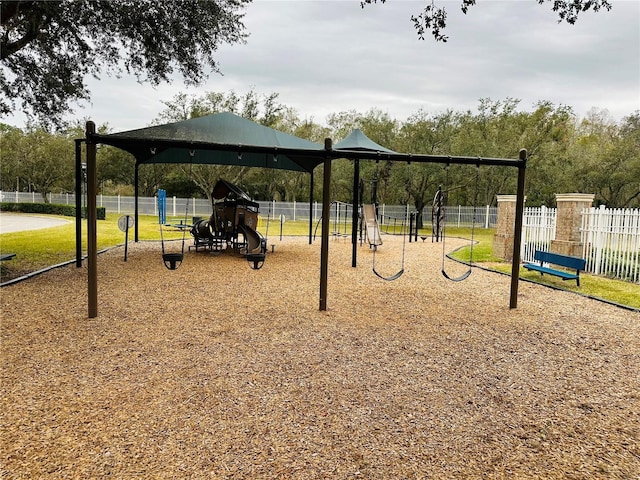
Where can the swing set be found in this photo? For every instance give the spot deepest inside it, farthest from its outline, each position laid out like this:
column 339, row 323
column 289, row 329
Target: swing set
column 439, row 222
column 159, row 144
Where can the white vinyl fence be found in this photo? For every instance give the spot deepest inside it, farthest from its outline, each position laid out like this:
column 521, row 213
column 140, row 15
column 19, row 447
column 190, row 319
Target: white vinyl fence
column 458, row 216
column 611, row 239
column 538, row 229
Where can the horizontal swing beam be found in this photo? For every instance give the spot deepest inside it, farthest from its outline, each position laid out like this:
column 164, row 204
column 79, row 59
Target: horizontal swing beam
column 443, row 159
column 318, row 154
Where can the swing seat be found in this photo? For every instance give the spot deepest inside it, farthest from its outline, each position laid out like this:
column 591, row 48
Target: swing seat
column 172, row 260
column 462, row 277
column 392, row 277
column 256, row 260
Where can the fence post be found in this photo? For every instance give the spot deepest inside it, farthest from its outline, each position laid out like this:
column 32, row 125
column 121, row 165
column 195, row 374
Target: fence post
column 294, row 210
column 503, row 238
column 568, row 239
column 486, row 218
column 601, row 236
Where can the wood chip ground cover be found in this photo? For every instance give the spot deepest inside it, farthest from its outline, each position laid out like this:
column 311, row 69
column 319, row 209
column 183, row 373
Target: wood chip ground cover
column 219, row 371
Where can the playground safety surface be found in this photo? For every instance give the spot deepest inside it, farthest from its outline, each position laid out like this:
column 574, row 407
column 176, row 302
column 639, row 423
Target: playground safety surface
column 216, row 370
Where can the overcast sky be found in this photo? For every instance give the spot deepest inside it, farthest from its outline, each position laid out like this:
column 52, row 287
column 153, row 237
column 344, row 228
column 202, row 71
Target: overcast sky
column 325, row 57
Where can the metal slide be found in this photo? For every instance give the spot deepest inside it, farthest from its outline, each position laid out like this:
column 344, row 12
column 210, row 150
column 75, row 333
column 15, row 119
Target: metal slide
column 255, row 243
column 371, row 224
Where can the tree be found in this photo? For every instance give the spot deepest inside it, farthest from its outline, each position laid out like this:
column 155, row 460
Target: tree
column 10, row 138
column 48, row 48
column 383, row 130
column 266, row 110
column 433, row 19
column 39, row 159
column 546, row 134
column 607, row 159
column 431, row 135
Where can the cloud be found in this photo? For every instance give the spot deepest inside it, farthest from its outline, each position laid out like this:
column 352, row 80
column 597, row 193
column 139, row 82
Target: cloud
column 325, row 57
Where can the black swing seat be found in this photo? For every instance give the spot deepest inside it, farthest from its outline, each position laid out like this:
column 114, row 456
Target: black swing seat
column 256, row 260
column 172, row 260
column 391, row 278
column 462, row 277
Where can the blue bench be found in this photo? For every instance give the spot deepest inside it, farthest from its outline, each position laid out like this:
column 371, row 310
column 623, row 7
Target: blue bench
column 566, row 261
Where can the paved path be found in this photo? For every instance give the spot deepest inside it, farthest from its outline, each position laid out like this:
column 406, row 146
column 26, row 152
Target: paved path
column 11, row 222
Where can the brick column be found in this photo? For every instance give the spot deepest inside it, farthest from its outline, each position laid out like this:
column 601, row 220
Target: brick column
column 568, row 222
column 503, row 239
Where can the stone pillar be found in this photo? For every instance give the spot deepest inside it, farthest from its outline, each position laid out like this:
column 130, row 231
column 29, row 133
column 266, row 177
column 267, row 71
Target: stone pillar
column 568, row 222
column 503, row 239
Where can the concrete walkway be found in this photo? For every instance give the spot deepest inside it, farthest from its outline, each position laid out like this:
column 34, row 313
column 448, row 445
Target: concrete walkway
column 14, row 222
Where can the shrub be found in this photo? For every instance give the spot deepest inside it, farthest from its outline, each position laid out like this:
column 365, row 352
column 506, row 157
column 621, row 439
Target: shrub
column 49, row 209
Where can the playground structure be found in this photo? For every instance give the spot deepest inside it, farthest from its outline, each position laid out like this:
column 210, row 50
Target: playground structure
column 232, row 225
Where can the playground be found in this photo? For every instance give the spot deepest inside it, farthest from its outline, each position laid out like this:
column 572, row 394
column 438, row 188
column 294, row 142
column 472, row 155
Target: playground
column 218, row 370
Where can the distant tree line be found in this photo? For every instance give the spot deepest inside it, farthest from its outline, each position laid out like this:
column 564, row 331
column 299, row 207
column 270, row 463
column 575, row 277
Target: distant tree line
column 594, row 154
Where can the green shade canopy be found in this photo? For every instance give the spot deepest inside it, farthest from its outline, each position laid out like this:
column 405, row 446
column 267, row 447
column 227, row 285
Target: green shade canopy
column 357, row 140
column 220, row 138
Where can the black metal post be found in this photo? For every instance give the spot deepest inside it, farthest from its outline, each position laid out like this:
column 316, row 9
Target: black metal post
column 311, row 209
column 354, row 212
column 79, row 181
column 92, row 228
column 517, row 237
column 326, row 205
column 136, row 194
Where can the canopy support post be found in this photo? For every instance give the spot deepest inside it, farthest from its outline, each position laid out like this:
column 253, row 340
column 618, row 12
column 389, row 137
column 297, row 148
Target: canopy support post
column 79, row 202
column 326, row 205
column 136, row 189
column 311, row 208
column 354, row 214
column 92, row 250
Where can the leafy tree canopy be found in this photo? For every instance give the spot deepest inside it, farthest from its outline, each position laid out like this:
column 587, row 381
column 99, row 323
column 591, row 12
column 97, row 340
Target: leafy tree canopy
column 48, row 48
column 433, row 19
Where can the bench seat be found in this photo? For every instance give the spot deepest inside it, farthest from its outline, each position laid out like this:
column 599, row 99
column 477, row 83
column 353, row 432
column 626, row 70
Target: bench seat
column 551, row 271
column 560, row 260
column 6, row 256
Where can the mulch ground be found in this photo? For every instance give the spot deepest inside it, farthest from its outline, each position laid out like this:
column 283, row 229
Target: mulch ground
column 216, row 370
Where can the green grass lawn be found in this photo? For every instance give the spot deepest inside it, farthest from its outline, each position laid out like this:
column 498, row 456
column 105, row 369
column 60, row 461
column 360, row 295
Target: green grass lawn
column 617, row 291
column 38, row 249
